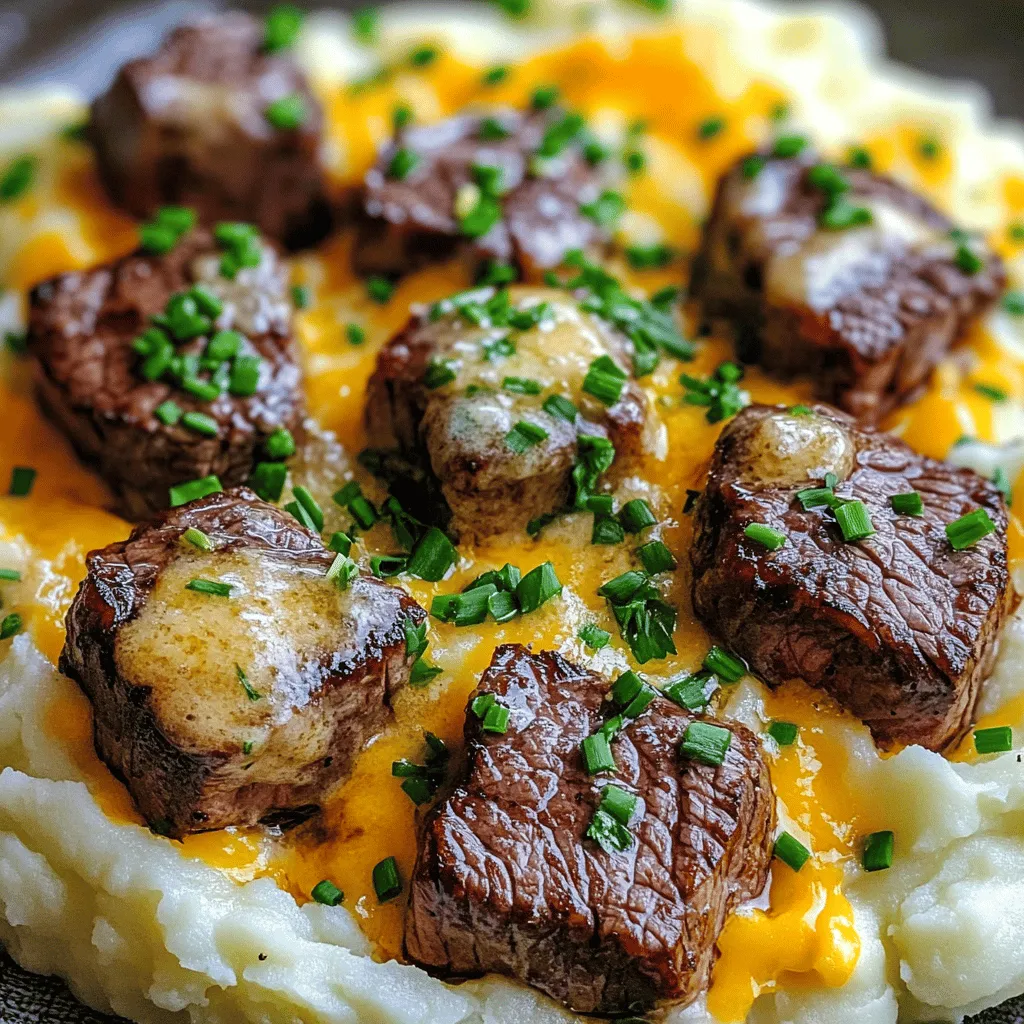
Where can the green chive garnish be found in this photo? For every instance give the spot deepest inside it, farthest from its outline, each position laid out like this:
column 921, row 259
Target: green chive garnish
column 521, row 386
column 387, row 883
column 433, row 556
column 710, row 127
column 854, row 521
column 784, row 733
column 200, row 423
column 280, row 30
column 593, row 636
column 561, row 407
column 243, row 680
column 990, row 391
column 537, row 586
column 181, row 494
column 997, row 740
column 286, row 114
column 10, row 625
column 17, row 178
column 909, row 504
column 402, row 163
column 656, row 558
column 597, row 754
column 10, row 576
column 280, row 444
column 268, row 479
column 327, row 893
column 438, row 373
column 525, row 435
column 213, row 587
column 22, row 480
column 636, row 515
column 355, row 334
column 705, row 743
column 606, row 209
column 198, row 539
column 788, row 146
column 727, row 667
column 496, row 719
column 791, row 851
column 969, row 529
column 878, row 851
column 766, row 536
column 380, row 289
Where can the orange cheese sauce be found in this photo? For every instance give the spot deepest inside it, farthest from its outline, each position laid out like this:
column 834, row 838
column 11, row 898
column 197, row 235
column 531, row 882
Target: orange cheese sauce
column 805, row 933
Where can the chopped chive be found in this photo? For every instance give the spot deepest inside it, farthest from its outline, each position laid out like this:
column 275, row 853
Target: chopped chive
column 10, row 625
column 525, row 435
column 997, row 740
column 593, row 636
column 280, row 444
column 496, row 719
column 245, row 376
column 619, row 803
column 363, row 512
column 198, row 539
column 649, row 257
column 495, row 75
column 243, row 680
column 636, row 515
column 181, row 494
column 403, row 163
column 607, row 530
column 365, row 25
column 387, row 883
column 340, row 542
column 967, row 259
column 17, row 177
column 859, row 157
column 200, row 423
column 10, row 575
column 481, row 704
column 386, row 566
column 281, row 28
column 878, row 851
column 788, row 146
column 301, row 513
column 545, row 97
column 597, row 754
column 626, row 687
column 537, row 586
column 854, row 521
column 439, row 372
column 267, row 479
column 623, row 588
column 355, row 334
column 784, row 733
column 688, row 692
column 791, row 851
column 656, row 558
column 705, row 743
column 213, row 587
column 432, row 556
column 342, row 571
column 639, row 704
column 560, row 407
column 309, row 503
column 929, row 147
column 380, row 289
column 710, row 127
column 909, row 504
column 841, row 215
column 327, row 893
column 829, row 179
column 606, row 209
column 992, row 392
column 727, row 667
column 521, row 386
column 817, row 497
column 422, row 672
column 502, row 606
column 287, row 113
column 611, row 835
column 969, row 529
column 302, row 297
column 600, row 504
column 402, row 116
column 424, row 56
column 766, row 536
column 752, row 166
column 22, row 480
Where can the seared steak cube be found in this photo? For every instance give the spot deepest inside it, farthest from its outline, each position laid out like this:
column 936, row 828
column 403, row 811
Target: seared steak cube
column 243, row 696
column 213, row 122
column 427, row 197
column 134, row 417
column 508, row 881
column 900, row 627
column 841, row 275
column 474, row 406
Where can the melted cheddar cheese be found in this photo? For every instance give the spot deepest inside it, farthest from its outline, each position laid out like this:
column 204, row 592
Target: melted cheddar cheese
column 803, row 933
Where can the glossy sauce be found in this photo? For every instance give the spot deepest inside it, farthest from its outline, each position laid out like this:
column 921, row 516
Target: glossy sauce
column 806, row 935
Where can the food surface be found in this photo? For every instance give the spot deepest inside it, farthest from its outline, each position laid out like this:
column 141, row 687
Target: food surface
column 234, row 596
column 215, row 122
column 480, row 412
column 862, row 589
column 524, row 872
column 509, row 186
column 383, row 539
column 840, row 274
column 160, row 370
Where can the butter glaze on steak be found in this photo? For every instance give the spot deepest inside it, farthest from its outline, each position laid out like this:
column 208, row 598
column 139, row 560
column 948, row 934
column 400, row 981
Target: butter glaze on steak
column 81, row 330
column 506, row 882
column 454, row 465
column 198, row 746
column 866, row 312
column 188, row 126
column 412, row 220
column 900, row 628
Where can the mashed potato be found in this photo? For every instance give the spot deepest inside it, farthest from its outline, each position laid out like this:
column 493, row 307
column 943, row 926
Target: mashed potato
column 139, row 927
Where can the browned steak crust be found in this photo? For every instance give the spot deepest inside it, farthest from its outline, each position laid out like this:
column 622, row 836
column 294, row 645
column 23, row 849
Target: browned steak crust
column 411, row 220
column 866, row 311
column 303, row 730
column 900, row 627
column 459, row 469
column 81, row 332
column 188, row 126
column 507, row 882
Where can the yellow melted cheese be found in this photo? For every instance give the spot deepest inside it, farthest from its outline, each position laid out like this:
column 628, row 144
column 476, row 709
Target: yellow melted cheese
column 805, row 935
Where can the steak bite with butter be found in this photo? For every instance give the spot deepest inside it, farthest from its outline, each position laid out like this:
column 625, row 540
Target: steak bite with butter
column 486, row 403
column 507, row 186
column 162, row 370
column 839, row 556
column 234, row 676
column 215, row 122
column 607, row 901
column 840, row 275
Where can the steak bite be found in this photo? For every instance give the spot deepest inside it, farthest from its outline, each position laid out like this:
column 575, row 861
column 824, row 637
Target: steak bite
column 214, row 122
column 238, row 684
column 434, row 192
column 841, row 275
column 900, row 627
column 508, row 881
column 153, row 406
column 482, row 400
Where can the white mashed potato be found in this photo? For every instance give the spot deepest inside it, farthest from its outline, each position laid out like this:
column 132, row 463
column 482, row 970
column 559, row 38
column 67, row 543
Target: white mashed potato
column 140, row 930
